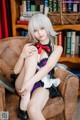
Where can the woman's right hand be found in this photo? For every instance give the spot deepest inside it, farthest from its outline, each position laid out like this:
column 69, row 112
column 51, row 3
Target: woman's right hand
column 28, row 50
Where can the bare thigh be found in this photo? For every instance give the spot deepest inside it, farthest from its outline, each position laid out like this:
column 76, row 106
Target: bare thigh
column 27, row 71
column 39, row 98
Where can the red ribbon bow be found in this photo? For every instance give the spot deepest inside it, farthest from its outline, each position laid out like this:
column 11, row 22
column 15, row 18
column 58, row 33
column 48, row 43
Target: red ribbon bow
column 40, row 47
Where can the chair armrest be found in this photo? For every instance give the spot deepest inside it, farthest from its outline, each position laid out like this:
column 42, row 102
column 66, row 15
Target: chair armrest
column 69, row 89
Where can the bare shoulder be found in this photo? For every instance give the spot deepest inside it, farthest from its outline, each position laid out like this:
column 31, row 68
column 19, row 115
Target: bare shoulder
column 58, row 47
column 29, row 46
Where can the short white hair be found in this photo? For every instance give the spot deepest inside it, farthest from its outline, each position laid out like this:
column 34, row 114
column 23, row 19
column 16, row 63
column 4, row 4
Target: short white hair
column 40, row 20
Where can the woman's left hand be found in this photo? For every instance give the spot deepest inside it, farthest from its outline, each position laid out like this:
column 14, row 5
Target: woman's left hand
column 26, row 87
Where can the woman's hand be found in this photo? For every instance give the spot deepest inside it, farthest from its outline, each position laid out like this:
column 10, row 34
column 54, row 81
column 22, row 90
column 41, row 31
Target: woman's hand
column 28, row 50
column 26, row 87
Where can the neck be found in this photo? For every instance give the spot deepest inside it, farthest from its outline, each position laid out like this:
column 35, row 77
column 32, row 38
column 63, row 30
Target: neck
column 43, row 42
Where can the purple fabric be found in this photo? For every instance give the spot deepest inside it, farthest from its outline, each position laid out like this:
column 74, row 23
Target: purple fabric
column 38, row 84
column 42, row 62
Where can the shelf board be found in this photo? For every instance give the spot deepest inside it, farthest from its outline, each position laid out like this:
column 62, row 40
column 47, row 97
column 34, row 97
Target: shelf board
column 70, row 58
column 63, row 27
column 22, row 26
column 56, row 27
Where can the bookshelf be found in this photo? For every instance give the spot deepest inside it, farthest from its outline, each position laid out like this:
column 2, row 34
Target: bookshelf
column 72, row 60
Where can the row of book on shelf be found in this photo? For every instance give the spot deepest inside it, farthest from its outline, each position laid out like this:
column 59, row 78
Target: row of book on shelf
column 54, row 5
column 69, row 40
column 71, row 5
column 31, row 7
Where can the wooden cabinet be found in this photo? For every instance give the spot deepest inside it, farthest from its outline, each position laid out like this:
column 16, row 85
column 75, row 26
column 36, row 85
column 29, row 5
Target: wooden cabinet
column 72, row 60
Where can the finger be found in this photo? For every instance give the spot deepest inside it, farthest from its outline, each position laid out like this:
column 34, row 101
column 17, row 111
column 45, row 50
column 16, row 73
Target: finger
column 24, row 92
column 33, row 50
column 21, row 92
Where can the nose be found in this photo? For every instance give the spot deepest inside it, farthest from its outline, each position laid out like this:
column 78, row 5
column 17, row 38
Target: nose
column 39, row 32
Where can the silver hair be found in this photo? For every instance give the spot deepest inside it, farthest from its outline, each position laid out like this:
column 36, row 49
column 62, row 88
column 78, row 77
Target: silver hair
column 37, row 21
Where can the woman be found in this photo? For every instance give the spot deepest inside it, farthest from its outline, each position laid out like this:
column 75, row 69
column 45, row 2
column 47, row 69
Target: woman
column 35, row 68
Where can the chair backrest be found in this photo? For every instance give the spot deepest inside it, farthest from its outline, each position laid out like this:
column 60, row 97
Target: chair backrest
column 10, row 49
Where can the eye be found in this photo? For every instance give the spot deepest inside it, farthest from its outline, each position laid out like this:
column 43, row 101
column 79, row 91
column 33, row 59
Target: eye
column 35, row 30
column 42, row 28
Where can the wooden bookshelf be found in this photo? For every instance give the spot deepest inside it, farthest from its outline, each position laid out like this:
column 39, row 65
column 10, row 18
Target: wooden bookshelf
column 15, row 15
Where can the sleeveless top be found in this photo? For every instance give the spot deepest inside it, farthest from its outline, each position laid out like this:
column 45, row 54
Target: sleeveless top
column 49, row 79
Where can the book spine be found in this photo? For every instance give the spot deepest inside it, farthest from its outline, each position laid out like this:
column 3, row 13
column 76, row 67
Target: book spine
column 24, row 5
column 23, row 32
column 46, row 3
column 28, row 5
column 69, row 6
column 76, row 46
column 63, row 6
column 54, row 5
column 33, row 7
column 75, row 7
column 20, row 8
column 68, row 43
column 60, row 39
column 41, row 8
column 56, row 40
column 73, row 42
column 79, row 46
column 58, row 5
column 22, row 22
column 50, row 5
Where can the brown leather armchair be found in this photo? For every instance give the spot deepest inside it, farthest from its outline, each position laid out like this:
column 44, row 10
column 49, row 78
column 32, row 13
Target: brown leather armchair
column 59, row 108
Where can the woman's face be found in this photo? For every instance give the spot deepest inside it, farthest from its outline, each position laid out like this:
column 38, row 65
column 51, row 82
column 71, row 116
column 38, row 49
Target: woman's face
column 40, row 34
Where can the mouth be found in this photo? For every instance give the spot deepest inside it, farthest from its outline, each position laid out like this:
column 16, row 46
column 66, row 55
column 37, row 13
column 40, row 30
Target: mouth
column 40, row 36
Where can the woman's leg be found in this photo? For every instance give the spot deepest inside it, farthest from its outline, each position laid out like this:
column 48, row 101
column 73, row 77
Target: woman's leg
column 38, row 100
column 27, row 72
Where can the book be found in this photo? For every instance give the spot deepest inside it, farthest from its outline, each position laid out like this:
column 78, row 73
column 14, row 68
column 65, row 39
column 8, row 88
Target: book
column 75, row 7
column 76, row 45
column 69, row 6
column 58, row 5
column 22, row 22
column 25, row 18
column 29, row 13
column 73, row 42
column 79, row 45
column 50, row 5
column 28, row 5
column 68, row 42
column 46, row 3
column 63, row 6
column 24, row 5
column 60, row 39
column 23, row 32
column 56, row 40
column 54, row 5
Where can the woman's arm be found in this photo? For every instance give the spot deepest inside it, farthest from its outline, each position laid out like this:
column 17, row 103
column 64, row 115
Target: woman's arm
column 53, row 59
column 27, row 51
